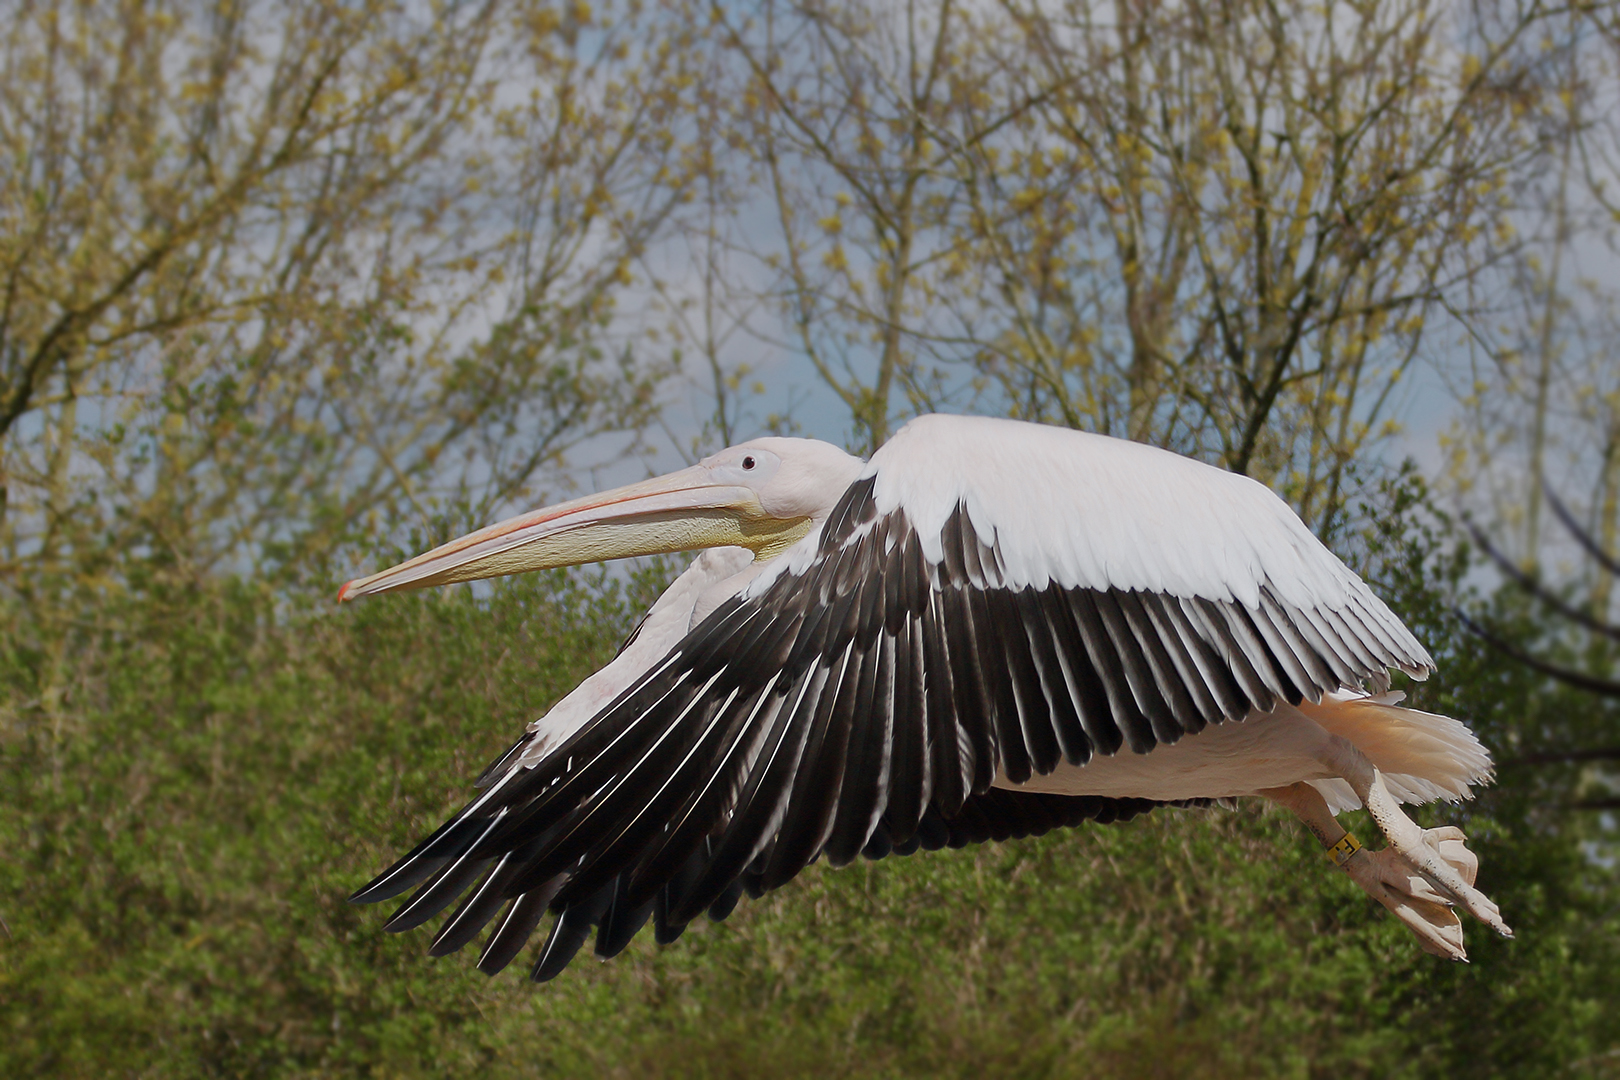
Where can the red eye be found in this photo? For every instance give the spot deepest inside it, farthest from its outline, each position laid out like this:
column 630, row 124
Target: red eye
column 748, row 463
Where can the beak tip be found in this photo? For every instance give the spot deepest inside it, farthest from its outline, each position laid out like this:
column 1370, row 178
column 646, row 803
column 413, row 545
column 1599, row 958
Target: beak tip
column 343, row 593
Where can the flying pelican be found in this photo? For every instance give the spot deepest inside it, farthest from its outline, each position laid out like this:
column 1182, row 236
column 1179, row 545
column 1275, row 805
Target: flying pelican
column 990, row 629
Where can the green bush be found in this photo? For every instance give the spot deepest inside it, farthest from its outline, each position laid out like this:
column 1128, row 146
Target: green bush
column 183, row 818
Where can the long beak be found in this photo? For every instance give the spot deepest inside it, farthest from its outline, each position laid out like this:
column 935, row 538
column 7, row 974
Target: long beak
column 683, row 511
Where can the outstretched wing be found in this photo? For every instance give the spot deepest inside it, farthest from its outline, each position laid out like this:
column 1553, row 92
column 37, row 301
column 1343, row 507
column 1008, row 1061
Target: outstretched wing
column 989, row 600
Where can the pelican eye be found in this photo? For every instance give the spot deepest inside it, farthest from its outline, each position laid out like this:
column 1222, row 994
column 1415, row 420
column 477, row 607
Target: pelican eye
column 748, row 462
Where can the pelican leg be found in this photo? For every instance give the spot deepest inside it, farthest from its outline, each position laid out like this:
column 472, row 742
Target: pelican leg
column 1420, row 849
column 1385, row 875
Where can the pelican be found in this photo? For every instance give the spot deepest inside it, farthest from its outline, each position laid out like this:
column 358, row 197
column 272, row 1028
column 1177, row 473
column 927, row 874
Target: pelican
column 990, row 629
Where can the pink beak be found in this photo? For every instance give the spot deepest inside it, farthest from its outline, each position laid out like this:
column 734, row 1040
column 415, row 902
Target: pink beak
column 682, row 511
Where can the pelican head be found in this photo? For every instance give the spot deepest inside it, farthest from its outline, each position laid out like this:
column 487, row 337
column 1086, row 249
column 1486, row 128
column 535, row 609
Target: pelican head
column 763, row 495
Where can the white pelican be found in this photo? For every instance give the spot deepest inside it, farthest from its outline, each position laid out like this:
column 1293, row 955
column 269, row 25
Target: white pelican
column 990, row 629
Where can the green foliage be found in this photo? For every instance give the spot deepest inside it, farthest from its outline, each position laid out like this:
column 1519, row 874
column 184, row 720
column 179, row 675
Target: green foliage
column 183, row 821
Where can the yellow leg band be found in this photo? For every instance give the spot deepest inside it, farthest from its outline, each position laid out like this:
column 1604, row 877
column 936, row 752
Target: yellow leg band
column 1341, row 852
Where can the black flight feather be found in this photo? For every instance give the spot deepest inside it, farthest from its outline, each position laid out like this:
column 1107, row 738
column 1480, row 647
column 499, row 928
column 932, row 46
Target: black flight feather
column 862, row 704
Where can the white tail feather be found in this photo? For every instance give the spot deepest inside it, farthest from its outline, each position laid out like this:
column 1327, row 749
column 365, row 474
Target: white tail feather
column 1423, row 756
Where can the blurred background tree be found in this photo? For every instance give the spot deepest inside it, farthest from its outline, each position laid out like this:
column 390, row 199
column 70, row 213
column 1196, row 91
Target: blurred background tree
column 277, row 270
column 1277, row 199
column 287, row 285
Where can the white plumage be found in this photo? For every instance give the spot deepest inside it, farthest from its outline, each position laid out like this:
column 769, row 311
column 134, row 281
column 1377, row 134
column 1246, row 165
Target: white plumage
column 990, row 629
column 1092, row 511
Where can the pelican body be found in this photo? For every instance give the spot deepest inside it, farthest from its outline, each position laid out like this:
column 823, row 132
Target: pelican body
column 991, row 629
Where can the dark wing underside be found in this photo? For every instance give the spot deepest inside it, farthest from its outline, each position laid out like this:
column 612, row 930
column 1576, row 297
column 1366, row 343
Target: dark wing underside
column 864, row 704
